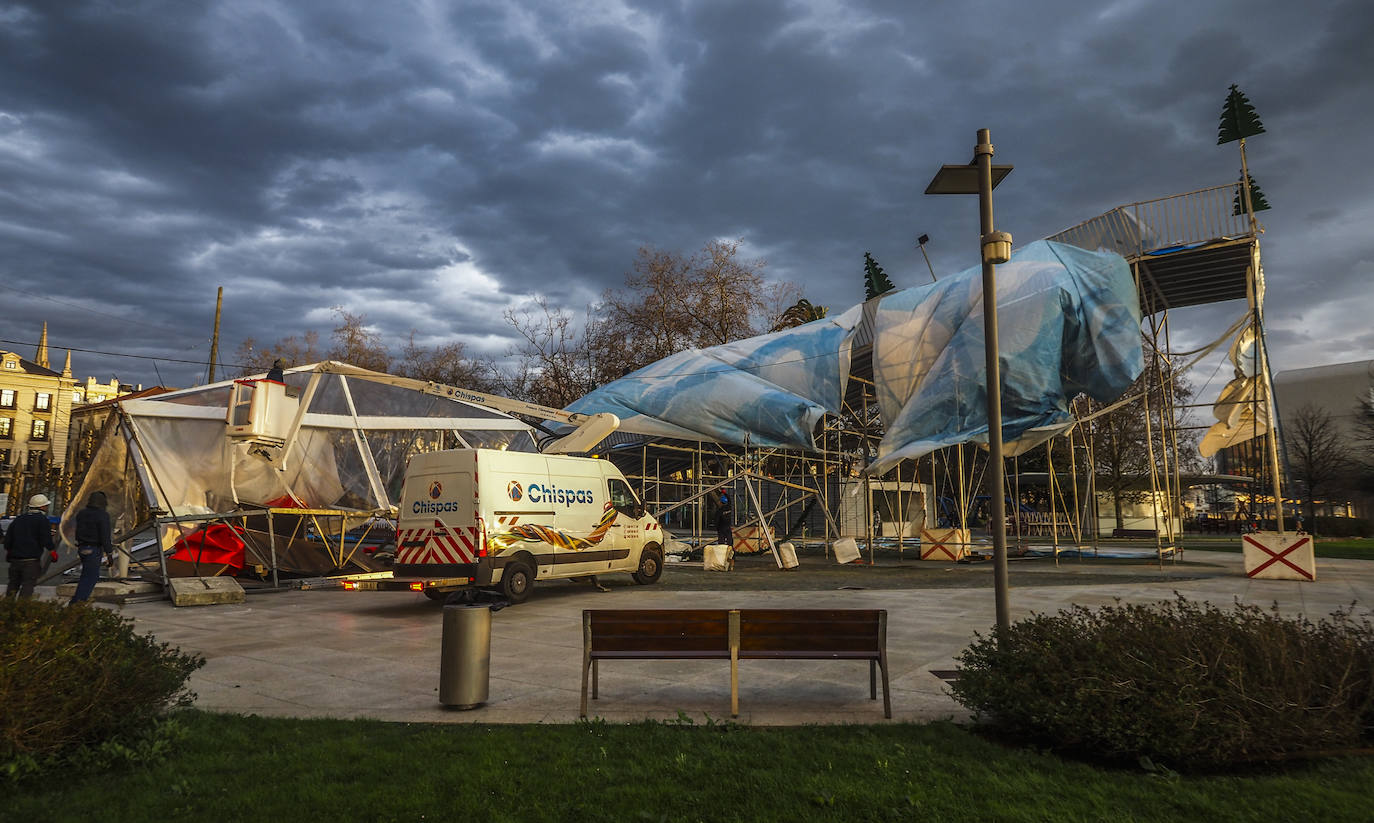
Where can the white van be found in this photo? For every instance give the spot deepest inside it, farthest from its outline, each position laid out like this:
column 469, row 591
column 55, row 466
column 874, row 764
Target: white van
column 489, row 518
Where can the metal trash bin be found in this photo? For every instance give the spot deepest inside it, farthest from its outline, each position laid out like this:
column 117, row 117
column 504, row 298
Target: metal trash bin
column 465, row 656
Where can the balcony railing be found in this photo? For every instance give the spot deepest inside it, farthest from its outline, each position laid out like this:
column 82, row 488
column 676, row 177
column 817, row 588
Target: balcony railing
column 1200, row 216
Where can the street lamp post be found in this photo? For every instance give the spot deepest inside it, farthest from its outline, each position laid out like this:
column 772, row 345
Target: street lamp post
column 981, row 177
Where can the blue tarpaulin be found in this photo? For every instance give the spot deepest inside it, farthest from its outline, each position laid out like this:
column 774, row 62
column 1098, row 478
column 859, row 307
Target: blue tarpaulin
column 1069, row 322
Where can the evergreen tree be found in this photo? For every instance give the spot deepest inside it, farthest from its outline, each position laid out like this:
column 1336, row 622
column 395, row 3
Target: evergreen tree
column 876, row 281
column 1238, row 119
column 1257, row 201
column 803, row 311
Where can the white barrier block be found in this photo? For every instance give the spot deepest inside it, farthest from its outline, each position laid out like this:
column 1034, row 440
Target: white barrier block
column 1271, row 556
column 788, row 553
column 717, row 557
column 944, row 544
column 846, row 550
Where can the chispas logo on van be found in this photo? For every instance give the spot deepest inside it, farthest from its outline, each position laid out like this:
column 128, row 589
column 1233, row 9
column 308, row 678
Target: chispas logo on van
column 548, row 493
column 436, row 490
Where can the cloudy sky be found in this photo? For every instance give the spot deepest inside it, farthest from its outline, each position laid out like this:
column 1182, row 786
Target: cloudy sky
column 432, row 164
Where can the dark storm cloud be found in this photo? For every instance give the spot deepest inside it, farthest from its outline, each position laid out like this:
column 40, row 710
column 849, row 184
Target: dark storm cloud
column 432, row 166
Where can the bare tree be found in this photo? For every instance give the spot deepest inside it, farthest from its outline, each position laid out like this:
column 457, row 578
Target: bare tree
column 447, row 363
column 1121, row 450
column 672, row 302
column 1318, row 455
column 357, row 344
column 1363, row 459
column 290, row 350
column 560, row 362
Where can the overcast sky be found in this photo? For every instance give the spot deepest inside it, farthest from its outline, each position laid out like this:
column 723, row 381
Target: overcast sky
column 432, row 164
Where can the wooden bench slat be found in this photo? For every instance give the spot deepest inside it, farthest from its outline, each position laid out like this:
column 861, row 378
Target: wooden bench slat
column 681, row 654
column 700, row 644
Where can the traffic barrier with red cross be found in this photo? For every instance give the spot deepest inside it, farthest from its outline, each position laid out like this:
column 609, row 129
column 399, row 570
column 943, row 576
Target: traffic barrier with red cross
column 944, row 544
column 1273, row 556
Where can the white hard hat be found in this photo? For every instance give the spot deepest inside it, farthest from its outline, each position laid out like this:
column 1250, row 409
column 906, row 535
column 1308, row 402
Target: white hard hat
column 39, row 501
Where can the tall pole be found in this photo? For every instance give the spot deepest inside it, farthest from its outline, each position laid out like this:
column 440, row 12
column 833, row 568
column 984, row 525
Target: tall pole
column 983, row 155
column 214, row 338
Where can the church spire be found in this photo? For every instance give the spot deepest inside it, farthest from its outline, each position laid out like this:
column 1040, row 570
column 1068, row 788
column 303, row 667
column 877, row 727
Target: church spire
column 41, row 357
column 67, row 367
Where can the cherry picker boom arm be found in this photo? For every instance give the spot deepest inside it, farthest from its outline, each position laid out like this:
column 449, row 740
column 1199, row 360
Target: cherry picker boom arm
column 589, row 429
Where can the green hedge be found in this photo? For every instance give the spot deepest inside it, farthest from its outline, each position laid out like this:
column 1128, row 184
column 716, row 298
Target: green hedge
column 76, row 680
column 1182, row 684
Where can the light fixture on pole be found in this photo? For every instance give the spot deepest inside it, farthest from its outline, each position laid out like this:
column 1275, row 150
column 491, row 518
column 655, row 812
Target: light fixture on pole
column 980, row 177
column 921, row 244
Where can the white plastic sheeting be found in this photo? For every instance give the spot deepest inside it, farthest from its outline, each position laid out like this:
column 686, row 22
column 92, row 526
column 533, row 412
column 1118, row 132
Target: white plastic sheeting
column 356, row 435
column 1241, row 410
column 1069, row 322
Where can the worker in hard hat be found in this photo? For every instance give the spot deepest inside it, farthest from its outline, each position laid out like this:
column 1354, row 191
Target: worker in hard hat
column 28, row 537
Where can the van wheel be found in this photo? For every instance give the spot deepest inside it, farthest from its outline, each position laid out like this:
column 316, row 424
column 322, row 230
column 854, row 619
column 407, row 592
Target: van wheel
column 650, row 567
column 516, row 581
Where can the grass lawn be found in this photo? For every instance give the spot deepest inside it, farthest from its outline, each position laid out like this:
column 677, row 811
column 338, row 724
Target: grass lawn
column 251, row 768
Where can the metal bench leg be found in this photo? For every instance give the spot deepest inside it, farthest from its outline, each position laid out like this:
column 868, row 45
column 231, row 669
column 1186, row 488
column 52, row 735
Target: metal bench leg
column 596, row 678
column 872, row 680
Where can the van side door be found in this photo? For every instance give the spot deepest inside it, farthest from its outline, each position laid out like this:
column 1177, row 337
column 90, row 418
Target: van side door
column 627, row 530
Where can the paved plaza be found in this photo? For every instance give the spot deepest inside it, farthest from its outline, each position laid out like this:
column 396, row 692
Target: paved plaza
column 332, row 653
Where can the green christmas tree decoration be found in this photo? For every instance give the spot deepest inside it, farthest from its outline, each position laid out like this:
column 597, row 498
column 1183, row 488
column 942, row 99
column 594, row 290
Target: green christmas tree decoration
column 876, row 281
column 1238, row 119
column 1257, row 201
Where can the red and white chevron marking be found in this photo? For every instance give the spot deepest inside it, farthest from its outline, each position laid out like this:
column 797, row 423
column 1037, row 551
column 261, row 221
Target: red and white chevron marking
column 442, row 544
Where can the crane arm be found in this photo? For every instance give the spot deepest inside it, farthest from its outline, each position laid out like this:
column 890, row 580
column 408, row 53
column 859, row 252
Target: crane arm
column 589, row 429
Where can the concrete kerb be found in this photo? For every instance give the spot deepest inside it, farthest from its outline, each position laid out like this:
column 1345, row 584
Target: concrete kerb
column 375, row 655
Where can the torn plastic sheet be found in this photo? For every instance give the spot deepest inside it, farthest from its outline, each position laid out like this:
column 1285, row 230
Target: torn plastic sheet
column 1069, row 322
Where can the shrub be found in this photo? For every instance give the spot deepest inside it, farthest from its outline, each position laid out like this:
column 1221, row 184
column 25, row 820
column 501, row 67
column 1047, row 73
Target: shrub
column 1178, row 683
column 76, row 681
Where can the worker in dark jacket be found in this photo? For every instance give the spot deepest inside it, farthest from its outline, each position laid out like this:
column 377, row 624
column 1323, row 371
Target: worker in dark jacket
column 725, row 518
column 93, row 543
column 28, row 537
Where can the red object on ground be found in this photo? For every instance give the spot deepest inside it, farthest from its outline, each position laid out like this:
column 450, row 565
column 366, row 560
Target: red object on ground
column 214, row 545
column 286, row 501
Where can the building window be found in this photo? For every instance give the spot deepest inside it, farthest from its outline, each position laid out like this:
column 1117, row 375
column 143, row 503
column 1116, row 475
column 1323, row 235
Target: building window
column 42, row 401
column 40, row 430
column 76, row 397
column 6, row 428
column 38, row 460
column 6, row 398
column 4, row 458
column 11, row 364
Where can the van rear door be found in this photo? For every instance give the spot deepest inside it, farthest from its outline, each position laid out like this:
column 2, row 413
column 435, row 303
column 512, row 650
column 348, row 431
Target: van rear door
column 437, row 533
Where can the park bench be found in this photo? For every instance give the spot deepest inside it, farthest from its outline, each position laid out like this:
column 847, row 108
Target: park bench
column 735, row 635
column 1135, row 533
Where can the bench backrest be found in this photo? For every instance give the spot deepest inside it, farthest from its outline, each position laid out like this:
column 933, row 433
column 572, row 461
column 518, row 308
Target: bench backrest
column 770, row 632
column 669, row 630
column 812, row 630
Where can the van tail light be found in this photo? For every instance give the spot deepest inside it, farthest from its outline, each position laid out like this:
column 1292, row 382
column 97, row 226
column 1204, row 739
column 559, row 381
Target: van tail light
column 350, row 585
column 417, row 587
column 481, row 536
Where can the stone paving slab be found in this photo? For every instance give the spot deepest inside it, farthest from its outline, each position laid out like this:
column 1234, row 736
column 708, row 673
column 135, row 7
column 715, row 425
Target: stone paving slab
column 333, row 653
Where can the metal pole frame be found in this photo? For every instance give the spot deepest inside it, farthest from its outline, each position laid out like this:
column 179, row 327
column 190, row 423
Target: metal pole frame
column 996, row 482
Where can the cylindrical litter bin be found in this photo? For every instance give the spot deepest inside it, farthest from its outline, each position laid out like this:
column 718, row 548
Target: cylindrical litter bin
column 465, row 656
